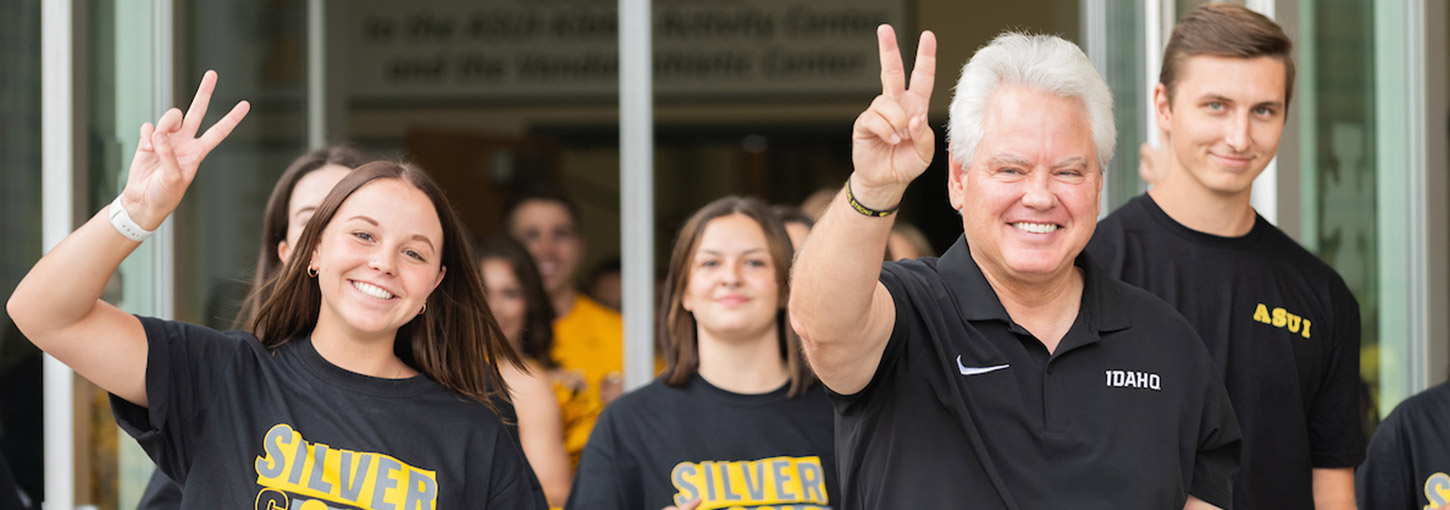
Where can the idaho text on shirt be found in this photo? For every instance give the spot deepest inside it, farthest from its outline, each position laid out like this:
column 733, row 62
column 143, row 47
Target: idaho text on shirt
column 774, row 483
column 300, row 475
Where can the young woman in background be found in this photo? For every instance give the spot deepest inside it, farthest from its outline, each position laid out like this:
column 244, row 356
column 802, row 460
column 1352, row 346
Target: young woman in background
column 522, row 309
column 736, row 419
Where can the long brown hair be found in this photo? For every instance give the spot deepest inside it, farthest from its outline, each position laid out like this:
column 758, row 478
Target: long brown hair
column 275, row 221
column 456, row 342
column 676, row 331
column 537, row 339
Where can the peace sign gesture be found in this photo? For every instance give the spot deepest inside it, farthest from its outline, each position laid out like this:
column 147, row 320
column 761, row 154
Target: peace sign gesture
column 169, row 154
column 892, row 142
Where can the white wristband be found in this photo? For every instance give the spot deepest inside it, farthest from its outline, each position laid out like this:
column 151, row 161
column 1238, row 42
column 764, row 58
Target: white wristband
column 124, row 224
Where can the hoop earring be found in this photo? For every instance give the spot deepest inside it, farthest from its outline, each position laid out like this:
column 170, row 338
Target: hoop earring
column 311, row 271
column 425, row 308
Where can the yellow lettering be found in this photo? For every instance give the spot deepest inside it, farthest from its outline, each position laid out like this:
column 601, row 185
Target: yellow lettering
column 1281, row 318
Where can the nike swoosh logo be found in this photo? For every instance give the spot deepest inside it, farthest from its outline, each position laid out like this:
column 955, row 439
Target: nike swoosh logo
column 966, row 370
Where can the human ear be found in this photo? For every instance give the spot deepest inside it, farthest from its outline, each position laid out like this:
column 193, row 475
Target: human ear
column 956, row 181
column 1162, row 108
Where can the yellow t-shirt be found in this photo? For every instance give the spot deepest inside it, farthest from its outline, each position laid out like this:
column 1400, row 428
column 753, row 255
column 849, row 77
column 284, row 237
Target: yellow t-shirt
column 578, row 410
column 589, row 341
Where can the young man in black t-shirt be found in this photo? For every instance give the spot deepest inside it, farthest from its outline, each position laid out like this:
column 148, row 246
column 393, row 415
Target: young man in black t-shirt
column 1282, row 326
column 1409, row 456
column 1010, row 373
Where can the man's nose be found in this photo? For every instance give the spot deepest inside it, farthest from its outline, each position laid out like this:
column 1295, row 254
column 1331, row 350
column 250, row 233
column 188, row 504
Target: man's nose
column 1237, row 135
column 1037, row 194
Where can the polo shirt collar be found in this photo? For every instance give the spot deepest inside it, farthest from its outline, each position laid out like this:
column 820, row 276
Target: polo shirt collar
column 978, row 301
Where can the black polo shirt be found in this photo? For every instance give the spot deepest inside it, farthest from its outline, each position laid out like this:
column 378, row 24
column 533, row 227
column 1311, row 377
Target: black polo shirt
column 968, row 410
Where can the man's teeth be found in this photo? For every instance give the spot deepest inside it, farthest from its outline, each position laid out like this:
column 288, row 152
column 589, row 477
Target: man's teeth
column 372, row 290
column 1035, row 228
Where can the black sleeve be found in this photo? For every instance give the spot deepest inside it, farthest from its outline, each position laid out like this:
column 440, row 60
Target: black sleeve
column 1386, row 479
column 901, row 298
column 512, row 483
column 606, row 478
column 9, row 491
column 161, row 494
column 1216, row 464
column 1336, row 436
column 185, row 364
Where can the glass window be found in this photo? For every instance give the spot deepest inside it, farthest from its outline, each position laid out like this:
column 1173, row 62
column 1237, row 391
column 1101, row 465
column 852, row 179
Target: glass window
column 258, row 50
column 119, row 91
column 1336, row 102
column 21, row 431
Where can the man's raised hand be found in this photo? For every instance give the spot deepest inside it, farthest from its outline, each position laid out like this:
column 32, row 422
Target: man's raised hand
column 892, row 141
column 170, row 152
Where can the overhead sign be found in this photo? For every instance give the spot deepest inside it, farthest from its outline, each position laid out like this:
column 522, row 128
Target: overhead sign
column 503, row 49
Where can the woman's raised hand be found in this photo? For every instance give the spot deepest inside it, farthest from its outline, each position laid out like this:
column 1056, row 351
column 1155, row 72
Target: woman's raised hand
column 169, row 154
column 892, row 142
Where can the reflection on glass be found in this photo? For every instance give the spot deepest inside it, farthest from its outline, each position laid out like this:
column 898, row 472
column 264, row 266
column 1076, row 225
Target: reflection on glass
column 1337, row 91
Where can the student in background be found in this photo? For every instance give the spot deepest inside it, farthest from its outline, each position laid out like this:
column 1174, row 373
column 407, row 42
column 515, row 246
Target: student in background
column 545, row 399
column 736, row 400
column 588, row 337
column 294, row 199
column 606, row 284
column 907, row 242
column 797, row 224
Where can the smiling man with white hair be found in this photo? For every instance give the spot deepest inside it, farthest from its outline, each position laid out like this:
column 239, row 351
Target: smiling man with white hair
column 1009, row 373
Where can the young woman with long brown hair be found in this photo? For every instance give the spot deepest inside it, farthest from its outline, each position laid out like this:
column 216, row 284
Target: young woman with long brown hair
column 545, row 398
column 295, row 197
column 368, row 377
column 736, row 405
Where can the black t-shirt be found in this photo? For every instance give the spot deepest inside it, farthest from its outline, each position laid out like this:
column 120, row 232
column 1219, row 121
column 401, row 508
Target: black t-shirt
column 968, row 410
column 161, row 493
column 1282, row 327
column 164, row 494
column 663, row 445
column 240, row 426
column 1409, row 456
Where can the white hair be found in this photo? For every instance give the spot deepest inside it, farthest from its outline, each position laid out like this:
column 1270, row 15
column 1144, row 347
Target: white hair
column 1036, row 62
